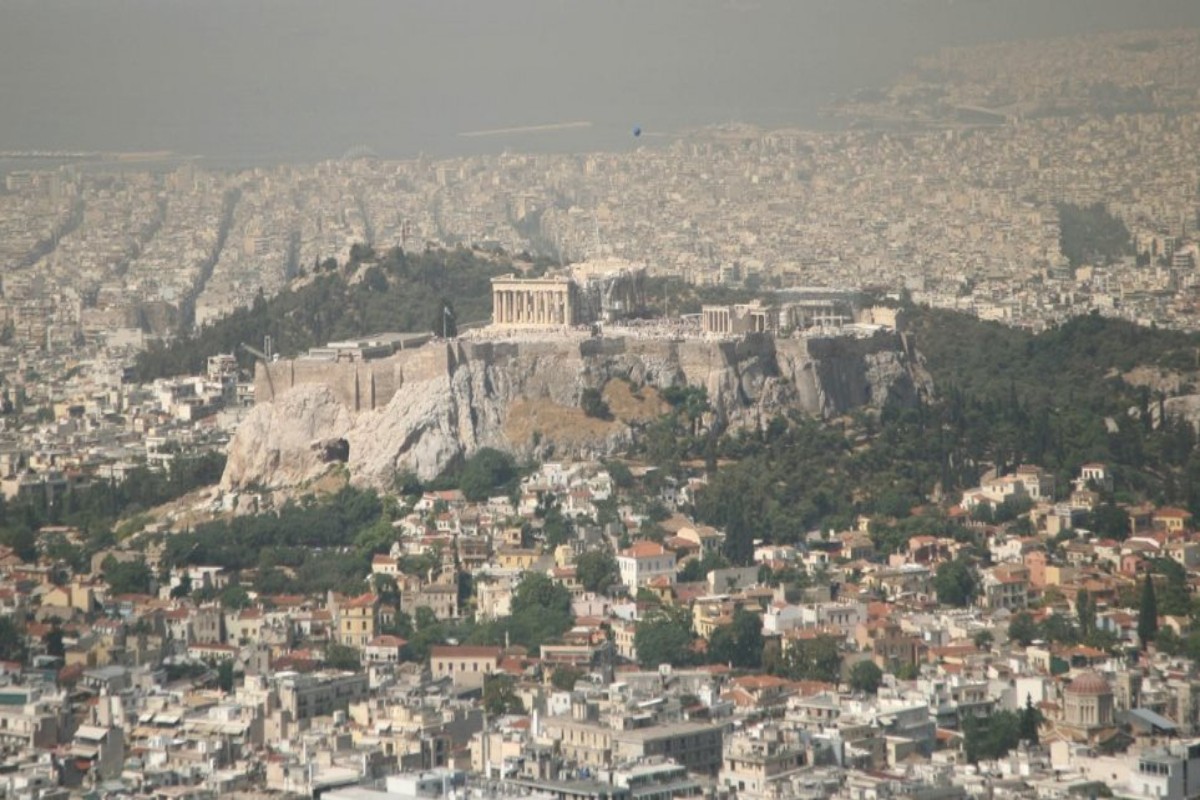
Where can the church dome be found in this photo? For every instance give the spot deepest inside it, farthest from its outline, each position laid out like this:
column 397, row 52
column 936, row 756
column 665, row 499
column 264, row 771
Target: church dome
column 1089, row 683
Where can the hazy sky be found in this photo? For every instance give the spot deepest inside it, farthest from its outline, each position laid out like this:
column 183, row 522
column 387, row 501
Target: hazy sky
column 307, row 79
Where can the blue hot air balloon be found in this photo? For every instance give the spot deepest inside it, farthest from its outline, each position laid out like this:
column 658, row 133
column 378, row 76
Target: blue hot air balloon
column 637, row 130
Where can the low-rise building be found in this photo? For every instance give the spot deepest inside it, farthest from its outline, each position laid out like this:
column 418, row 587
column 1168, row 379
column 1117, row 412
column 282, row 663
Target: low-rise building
column 465, row 665
column 644, row 561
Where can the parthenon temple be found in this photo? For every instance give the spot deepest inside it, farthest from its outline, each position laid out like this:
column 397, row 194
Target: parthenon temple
column 533, row 303
column 583, row 294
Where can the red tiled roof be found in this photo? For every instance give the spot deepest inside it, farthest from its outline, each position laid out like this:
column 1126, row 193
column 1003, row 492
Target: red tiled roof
column 464, row 651
column 643, row 549
column 362, row 601
column 1173, row 513
column 387, row 640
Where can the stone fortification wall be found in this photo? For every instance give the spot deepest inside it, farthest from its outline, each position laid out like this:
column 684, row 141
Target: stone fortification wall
column 370, row 385
column 358, row 385
column 830, row 374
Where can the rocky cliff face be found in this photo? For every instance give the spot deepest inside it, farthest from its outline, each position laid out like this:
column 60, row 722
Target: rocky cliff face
column 420, row 409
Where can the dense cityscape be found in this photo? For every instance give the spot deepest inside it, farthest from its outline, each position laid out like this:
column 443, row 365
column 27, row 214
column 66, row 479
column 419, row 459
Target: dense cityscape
column 708, row 505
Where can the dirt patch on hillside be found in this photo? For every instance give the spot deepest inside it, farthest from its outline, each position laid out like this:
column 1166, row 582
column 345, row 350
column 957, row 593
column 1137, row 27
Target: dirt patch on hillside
column 546, row 420
column 627, row 405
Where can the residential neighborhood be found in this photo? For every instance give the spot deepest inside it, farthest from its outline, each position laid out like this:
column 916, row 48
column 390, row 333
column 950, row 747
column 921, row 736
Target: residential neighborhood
column 869, row 674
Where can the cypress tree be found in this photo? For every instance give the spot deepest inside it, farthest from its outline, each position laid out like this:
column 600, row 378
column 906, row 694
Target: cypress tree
column 1147, row 614
column 1030, row 717
column 1086, row 612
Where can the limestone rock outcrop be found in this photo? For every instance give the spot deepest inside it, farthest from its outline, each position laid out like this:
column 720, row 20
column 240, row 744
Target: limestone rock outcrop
column 421, row 409
column 273, row 445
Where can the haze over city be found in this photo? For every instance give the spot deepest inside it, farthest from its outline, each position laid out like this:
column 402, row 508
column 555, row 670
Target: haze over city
column 608, row 400
column 306, row 80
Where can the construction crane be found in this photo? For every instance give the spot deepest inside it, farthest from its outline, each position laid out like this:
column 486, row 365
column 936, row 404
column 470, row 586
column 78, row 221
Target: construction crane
column 266, row 362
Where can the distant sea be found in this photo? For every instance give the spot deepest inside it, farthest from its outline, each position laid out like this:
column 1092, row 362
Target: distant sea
column 248, row 82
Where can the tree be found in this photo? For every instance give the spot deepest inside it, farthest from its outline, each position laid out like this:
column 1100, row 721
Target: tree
column 1085, row 610
column 664, row 636
column 747, row 632
column 424, row 619
column 500, row 697
column 866, row 676
column 234, row 597
column 564, row 678
column 340, row 656
column 597, row 570
column 1109, row 521
column 183, row 588
column 22, row 540
column 54, row 642
column 1031, row 718
column 557, row 528
column 620, row 473
column 1168, row 641
column 377, row 537
column 1022, row 629
column 385, row 588
column 992, row 737
column 485, row 473
column 127, row 577
column 1059, row 629
column 697, row 569
column 816, row 659
column 12, row 641
column 955, row 583
column 740, row 643
column 541, row 612
column 983, row 640
column 1174, row 598
column 406, row 483
column 1147, row 625
column 539, row 594
column 225, row 676
column 722, row 645
column 593, row 404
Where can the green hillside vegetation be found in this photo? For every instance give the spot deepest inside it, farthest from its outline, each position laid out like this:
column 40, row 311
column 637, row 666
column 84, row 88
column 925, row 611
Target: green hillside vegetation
column 1004, row 397
column 95, row 509
column 1091, row 235
column 395, row 291
column 310, row 546
column 1059, row 400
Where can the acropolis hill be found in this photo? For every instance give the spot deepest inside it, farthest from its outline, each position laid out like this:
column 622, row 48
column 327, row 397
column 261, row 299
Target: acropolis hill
column 517, row 385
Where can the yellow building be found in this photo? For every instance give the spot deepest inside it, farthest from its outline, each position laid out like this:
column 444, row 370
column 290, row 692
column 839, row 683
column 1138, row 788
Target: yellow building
column 358, row 620
column 517, row 558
